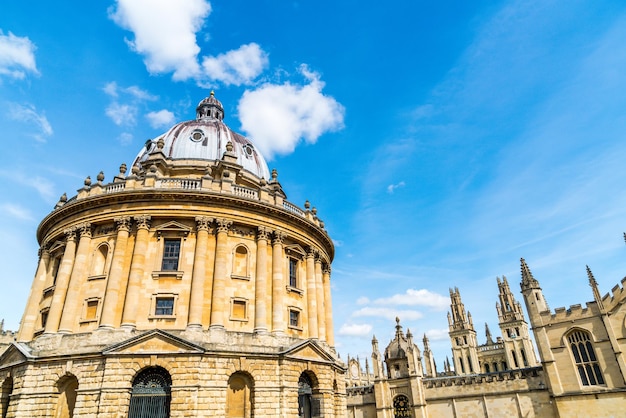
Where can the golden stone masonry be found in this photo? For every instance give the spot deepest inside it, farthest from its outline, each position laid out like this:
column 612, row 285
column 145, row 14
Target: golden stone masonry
column 192, row 287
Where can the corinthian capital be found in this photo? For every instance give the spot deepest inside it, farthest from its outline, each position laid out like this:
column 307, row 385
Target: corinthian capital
column 122, row 223
column 203, row 223
column 278, row 237
column 262, row 233
column 70, row 234
column 223, row 225
column 85, row 230
column 143, row 221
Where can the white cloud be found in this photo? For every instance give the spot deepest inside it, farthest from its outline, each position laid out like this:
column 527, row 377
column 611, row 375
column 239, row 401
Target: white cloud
column 413, row 297
column 363, row 300
column 122, row 114
column 438, row 334
column 113, row 90
column 17, row 56
column 125, row 138
column 16, row 211
column 30, row 114
column 388, row 313
column 277, row 117
column 165, row 32
column 239, row 66
column 392, row 187
column 355, row 330
column 161, row 119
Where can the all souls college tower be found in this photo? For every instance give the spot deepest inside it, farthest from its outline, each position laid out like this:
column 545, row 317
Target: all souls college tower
column 190, row 286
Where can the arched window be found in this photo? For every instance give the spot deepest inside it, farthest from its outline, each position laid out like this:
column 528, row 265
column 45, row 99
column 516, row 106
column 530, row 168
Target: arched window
column 151, row 395
column 98, row 267
column 585, row 358
column 487, row 368
column 239, row 396
column 5, row 396
column 514, row 357
column 240, row 262
column 401, row 407
column 305, row 396
column 67, row 397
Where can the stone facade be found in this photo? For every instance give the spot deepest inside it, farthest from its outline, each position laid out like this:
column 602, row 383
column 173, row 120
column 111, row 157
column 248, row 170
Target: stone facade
column 581, row 372
column 190, row 283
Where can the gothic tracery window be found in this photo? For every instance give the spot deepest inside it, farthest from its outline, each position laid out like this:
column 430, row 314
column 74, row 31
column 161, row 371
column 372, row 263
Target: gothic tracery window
column 401, row 407
column 585, row 358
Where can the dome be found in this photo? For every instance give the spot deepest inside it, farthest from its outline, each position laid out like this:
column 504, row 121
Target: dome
column 205, row 138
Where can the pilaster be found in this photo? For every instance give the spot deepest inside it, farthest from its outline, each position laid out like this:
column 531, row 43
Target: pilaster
column 278, row 284
column 31, row 313
column 311, row 294
column 328, row 309
column 219, row 274
column 321, row 315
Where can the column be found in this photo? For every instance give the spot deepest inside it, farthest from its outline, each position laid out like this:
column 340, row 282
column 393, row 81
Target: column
column 198, row 277
column 72, row 309
column 278, row 285
column 311, row 294
column 135, row 276
column 260, row 289
column 219, row 274
column 63, row 279
column 321, row 316
column 110, row 306
column 31, row 314
column 330, row 333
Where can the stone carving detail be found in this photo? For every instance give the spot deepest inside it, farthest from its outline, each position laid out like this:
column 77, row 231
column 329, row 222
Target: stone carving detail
column 311, row 252
column 262, row 233
column 278, row 237
column 123, row 223
column 143, row 221
column 203, row 223
column 223, row 225
column 70, row 234
column 85, row 229
column 326, row 269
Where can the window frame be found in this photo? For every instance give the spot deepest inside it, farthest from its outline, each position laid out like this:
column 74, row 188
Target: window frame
column 585, row 361
column 85, row 311
column 154, row 305
column 234, row 301
column 298, row 312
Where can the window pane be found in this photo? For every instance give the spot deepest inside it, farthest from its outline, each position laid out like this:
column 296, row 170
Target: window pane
column 583, row 376
column 92, row 309
column 239, row 309
column 293, row 318
column 171, row 253
column 293, row 276
column 164, row 306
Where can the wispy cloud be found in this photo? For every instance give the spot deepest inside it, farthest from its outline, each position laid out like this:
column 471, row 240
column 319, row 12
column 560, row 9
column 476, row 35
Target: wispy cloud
column 160, row 119
column 17, row 56
column 122, row 114
column 279, row 116
column 16, row 212
column 29, row 114
column 416, row 297
column 392, row 187
column 388, row 313
column 125, row 138
column 356, row 330
column 43, row 186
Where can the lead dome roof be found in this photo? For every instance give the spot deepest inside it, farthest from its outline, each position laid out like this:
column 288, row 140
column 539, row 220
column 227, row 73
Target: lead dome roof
column 205, row 138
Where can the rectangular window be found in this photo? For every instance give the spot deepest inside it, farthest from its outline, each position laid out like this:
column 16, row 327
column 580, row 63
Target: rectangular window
column 239, row 309
column 91, row 309
column 171, row 254
column 44, row 318
column 294, row 318
column 164, row 306
column 293, row 272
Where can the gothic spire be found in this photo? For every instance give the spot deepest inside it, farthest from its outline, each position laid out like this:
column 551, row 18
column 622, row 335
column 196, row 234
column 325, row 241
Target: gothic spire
column 528, row 281
column 594, row 287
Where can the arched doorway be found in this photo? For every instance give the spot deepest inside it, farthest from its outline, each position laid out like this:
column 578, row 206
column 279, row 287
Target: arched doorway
column 151, row 394
column 309, row 405
column 5, row 396
column 239, row 396
column 401, row 407
column 67, row 397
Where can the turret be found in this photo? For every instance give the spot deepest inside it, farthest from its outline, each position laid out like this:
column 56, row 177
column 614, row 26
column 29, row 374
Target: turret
column 462, row 336
column 533, row 296
column 429, row 359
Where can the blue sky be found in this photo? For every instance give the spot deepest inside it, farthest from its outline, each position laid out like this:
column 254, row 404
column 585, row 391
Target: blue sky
column 439, row 142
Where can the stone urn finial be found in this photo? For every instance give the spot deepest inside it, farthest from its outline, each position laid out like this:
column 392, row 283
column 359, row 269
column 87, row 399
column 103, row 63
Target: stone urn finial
column 274, row 174
column 135, row 169
column 307, row 205
column 229, row 146
column 123, row 169
column 87, row 181
column 160, row 144
column 100, row 177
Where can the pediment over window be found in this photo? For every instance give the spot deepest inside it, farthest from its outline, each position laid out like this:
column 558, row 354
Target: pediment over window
column 154, row 342
column 173, row 229
column 56, row 246
column 308, row 350
column 15, row 354
column 295, row 250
